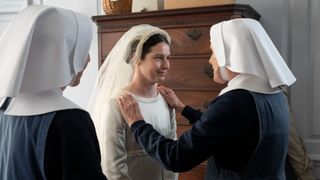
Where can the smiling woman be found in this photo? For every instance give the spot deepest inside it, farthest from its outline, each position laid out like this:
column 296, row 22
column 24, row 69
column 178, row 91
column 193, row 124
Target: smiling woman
column 136, row 64
column 152, row 67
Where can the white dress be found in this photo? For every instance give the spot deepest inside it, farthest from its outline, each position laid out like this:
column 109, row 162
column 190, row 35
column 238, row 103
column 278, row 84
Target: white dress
column 122, row 158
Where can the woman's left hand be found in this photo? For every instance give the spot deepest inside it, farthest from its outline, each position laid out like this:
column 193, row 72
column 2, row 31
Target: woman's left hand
column 129, row 108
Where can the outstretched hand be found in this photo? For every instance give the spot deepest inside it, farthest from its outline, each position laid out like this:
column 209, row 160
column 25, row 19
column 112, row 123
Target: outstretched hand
column 129, row 108
column 171, row 98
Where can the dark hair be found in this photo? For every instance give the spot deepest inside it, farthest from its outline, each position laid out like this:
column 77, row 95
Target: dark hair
column 152, row 41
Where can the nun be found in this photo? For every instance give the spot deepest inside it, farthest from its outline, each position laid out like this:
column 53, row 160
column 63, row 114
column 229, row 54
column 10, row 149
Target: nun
column 244, row 133
column 42, row 134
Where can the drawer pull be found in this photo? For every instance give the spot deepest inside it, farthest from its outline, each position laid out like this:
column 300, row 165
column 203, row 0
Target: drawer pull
column 205, row 104
column 208, row 71
column 194, row 34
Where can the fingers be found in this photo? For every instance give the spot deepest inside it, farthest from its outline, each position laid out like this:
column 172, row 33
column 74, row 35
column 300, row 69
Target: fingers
column 129, row 108
column 125, row 101
column 122, row 107
column 165, row 91
column 121, row 103
column 162, row 92
column 163, row 88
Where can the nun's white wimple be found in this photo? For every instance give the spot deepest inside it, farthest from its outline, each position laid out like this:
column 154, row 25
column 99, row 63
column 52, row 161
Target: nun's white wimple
column 243, row 46
column 42, row 50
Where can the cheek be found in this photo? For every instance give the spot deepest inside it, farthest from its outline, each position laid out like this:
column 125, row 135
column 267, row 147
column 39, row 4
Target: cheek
column 153, row 66
column 212, row 60
column 216, row 73
column 213, row 64
column 148, row 69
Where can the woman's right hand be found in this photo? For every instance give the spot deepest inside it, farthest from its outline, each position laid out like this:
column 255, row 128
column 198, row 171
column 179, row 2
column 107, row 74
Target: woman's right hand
column 171, row 98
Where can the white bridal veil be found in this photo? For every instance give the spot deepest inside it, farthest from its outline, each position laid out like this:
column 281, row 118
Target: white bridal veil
column 117, row 70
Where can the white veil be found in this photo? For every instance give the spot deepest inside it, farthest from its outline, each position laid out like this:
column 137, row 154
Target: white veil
column 117, row 70
column 40, row 57
column 243, row 46
column 37, row 61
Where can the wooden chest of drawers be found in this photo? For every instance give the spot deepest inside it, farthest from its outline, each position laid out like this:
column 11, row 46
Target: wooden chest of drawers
column 189, row 75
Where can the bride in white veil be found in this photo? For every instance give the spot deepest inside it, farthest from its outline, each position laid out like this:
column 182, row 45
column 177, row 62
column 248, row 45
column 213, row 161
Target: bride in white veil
column 131, row 66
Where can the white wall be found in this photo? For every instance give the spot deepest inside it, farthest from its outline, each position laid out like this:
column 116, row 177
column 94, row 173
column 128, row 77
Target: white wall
column 8, row 9
column 304, row 51
column 274, row 19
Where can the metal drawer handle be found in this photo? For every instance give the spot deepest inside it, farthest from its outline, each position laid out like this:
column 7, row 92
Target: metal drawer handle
column 194, row 34
column 205, row 104
column 208, row 71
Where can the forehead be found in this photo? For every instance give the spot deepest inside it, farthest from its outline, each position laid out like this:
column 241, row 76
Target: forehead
column 161, row 47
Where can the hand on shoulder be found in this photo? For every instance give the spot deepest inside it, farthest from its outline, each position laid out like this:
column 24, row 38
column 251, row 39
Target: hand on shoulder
column 171, row 98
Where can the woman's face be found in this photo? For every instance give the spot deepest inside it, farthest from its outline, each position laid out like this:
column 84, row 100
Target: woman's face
column 216, row 70
column 155, row 65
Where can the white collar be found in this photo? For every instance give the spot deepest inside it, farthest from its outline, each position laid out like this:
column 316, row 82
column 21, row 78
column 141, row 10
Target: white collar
column 39, row 103
column 250, row 83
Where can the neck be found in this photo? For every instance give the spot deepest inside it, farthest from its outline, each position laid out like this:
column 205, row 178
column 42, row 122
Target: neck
column 231, row 74
column 142, row 88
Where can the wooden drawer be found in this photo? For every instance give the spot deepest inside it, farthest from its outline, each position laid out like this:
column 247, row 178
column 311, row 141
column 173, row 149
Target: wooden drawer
column 108, row 40
column 190, row 74
column 190, row 41
column 188, row 38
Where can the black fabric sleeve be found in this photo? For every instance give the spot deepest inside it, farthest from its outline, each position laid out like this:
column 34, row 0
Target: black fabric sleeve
column 72, row 149
column 191, row 114
column 177, row 156
column 222, row 131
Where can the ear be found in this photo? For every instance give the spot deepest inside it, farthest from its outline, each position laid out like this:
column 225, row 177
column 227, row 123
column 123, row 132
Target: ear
column 136, row 59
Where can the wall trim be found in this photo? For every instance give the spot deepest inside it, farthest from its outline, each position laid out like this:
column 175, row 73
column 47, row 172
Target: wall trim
column 12, row 7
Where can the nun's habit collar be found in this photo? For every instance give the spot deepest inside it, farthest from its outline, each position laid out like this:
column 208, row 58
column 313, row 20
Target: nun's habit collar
column 42, row 50
column 243, row 46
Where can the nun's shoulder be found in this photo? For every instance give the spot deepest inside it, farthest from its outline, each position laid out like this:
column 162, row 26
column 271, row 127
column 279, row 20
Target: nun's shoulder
column 72, row 118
